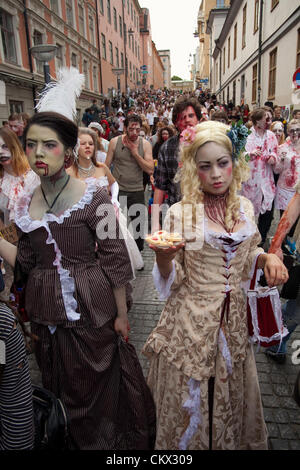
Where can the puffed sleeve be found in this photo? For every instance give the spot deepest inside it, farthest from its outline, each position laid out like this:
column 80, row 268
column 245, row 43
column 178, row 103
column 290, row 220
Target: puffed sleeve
column 254, row 250
column 111, row 251
column 172, row 223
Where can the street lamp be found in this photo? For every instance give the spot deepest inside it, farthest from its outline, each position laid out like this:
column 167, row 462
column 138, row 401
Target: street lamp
column 44, row 53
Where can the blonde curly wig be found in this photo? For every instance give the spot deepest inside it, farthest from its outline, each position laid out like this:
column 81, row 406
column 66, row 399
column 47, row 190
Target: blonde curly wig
column 210, row 131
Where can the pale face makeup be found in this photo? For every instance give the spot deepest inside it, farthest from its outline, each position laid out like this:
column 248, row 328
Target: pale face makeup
column 278, row 130
column 45, row 151
column 5, row 155
column 87, row 147
column 214, row 168
column 294, row 133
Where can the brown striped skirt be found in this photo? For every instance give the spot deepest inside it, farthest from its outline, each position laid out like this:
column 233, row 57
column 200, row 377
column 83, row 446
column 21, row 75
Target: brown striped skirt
column 100, row 381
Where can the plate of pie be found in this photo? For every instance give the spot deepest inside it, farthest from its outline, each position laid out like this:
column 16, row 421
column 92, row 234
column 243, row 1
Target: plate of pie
column 163, row 239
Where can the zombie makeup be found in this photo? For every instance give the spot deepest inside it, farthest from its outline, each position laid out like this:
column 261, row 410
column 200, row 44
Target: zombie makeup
column 294, row 133
column 187, row 118
column 214, row 168
column 5, row 155
column 45, row 151
column 133, row 131
column 278, row 130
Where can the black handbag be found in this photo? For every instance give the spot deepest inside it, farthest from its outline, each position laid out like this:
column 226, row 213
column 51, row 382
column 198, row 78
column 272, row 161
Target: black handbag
column 50, row 420
column 291, row 287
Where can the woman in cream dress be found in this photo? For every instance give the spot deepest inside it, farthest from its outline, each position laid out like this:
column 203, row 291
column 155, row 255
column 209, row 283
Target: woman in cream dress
column 202, row 368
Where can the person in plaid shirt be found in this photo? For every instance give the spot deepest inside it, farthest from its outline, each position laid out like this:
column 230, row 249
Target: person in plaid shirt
column 186, row 113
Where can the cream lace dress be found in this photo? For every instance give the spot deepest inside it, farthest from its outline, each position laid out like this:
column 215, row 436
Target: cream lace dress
column 191, row 344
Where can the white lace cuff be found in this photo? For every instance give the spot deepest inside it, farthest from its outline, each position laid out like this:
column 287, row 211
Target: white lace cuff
column 163, row 285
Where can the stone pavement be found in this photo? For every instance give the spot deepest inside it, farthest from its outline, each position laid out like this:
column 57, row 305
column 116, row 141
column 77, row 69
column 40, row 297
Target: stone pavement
column 282, row 414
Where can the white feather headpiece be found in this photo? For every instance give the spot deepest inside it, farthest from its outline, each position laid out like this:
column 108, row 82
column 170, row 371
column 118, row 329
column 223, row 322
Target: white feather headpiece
column 61, row 96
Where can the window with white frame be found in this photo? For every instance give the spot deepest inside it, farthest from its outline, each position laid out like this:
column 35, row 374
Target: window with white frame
column 244, row 30
column 103, row 45
column 254, row 83
column 74, row 59
column 8, row 36
column 117, row 58
column 54, row 6
column 121, row 26
column 81, row 20
column 101, row 6
column 86, row 74
column 59, row 56
column 108, row 11
column 95, row 78
column 38, row 39
column 272, row 74
column 115, row 20
column 69, row 12
column 92, row 27
column 111, row 55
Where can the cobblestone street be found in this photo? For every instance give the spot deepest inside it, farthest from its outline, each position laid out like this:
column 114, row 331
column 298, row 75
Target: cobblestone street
column 282, row 414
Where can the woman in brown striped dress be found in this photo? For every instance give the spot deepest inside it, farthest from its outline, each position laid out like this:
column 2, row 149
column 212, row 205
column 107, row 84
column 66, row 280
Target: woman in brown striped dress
column 77, row 299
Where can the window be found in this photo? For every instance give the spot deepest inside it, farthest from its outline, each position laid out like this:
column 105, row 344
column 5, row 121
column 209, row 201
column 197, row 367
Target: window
column 228, row 63
column 103, row 44
column 244, row 26
column 101, row 7
column 95, row 80
column 111, row 57
column 121, row 25
column 54, row 6
column 117, row 58
column 122, row 60
column 8, row 37
column 130, row 68
column 81, row 19
column 224, row 57
column 38, row 39
column 92, row 27
column 74, row 60
column 272, row 73
column 108, row 11
column 220, row 3
column 274, row 4
column 256, row 16
column 86, row 73
column 69, row 12
column 59, row 56
column 254, row 83
column 16, row 106
column 298, row 51
column 115, row 20
column 235, row 41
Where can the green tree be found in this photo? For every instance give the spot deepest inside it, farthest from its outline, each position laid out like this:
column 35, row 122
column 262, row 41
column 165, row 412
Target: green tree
column 176, row 78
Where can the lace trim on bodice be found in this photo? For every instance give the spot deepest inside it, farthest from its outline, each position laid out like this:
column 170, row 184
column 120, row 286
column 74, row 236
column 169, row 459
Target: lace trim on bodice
column 27, row 224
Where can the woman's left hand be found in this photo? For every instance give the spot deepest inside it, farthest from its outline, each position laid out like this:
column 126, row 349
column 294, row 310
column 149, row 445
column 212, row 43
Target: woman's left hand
column 275, row 271
column 122, row 326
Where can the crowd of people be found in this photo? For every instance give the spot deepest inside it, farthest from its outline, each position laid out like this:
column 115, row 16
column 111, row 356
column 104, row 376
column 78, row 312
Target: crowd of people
column 65, row 187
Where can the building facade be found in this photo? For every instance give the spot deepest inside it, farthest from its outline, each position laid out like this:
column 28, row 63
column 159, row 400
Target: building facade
column 204, row 51
column 101, row 38
column 165, row 56
column 257, row 52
